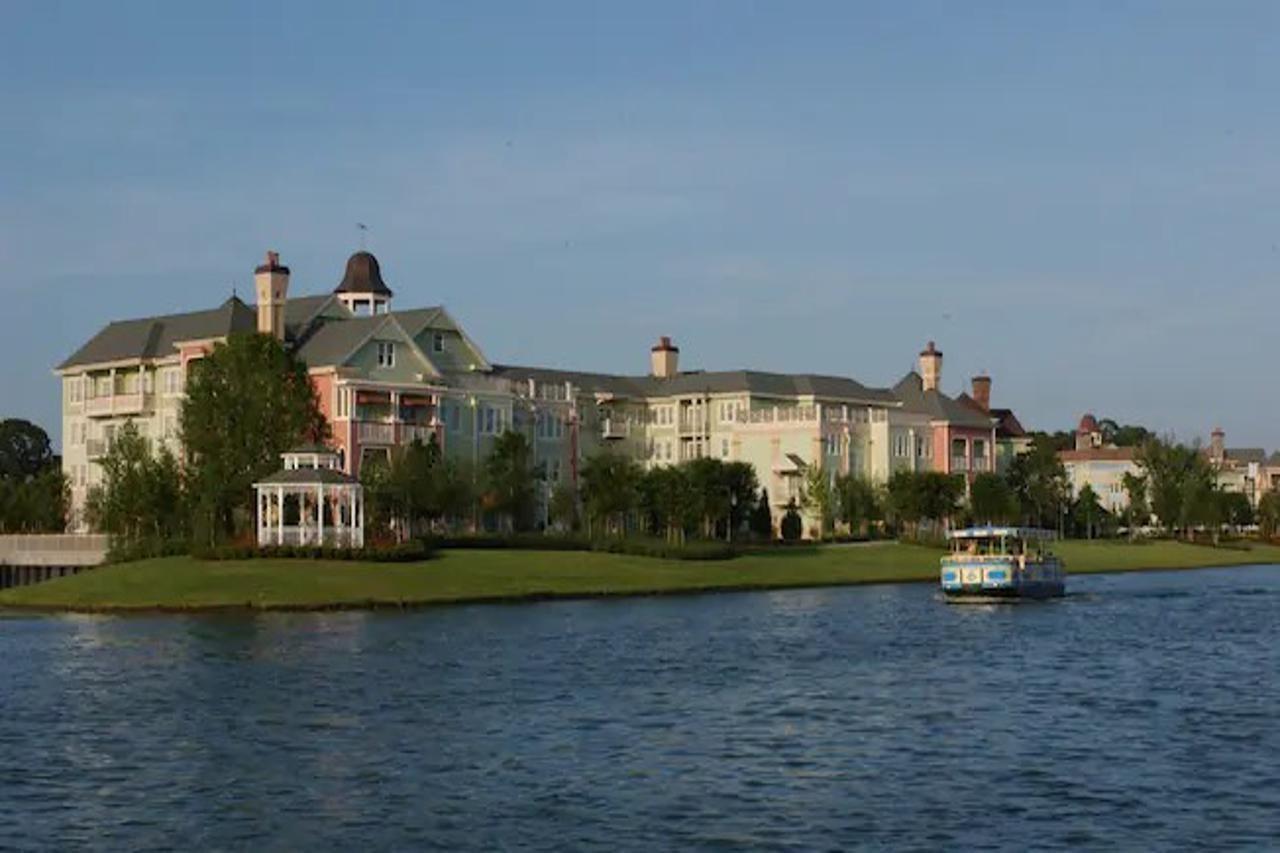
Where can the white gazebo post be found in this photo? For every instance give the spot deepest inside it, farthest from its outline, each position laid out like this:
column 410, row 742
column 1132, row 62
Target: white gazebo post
column 280, row 515
column 320, row 512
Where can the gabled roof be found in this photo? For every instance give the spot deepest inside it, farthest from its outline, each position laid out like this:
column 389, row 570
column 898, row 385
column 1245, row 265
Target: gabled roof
column 155, row 337
column 1246, row 454
column 333, row 343
column 935, row 404
column 1007, row 423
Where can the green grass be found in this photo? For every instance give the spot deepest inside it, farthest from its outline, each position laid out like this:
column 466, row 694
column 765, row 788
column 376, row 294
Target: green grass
column 181, row 583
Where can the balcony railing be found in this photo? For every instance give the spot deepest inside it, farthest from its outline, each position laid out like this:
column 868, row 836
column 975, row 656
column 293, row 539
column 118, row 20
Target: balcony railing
column 96, row 448
column 614, row 428
column 116, row 404
column 959, row 464
column 409, row 433
column 373, row 432
column 981, row 463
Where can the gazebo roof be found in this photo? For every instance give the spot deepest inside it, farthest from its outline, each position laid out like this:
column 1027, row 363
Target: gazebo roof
column 308, row 477
column 311, row 448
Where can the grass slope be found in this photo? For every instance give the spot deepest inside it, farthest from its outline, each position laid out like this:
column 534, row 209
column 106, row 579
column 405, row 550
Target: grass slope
column 184, row 583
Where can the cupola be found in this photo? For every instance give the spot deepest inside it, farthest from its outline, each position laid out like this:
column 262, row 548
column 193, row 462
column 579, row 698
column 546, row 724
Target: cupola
column 362, row 289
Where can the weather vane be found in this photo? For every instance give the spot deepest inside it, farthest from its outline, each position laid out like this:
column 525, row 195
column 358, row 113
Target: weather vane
column 364, row 230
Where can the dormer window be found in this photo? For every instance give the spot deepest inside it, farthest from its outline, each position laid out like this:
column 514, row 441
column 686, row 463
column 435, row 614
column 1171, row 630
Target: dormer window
column 386, row 354
column 437, row 342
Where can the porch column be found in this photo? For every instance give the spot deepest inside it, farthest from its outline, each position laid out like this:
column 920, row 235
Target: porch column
column 320, row 511
column 279, row 515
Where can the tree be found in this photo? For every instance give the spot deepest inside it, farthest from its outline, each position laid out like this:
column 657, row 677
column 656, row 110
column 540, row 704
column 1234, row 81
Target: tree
column 1181, row 481
column 818, row 497
column 141, row 495
column 25, row 450
column 610, row 489
column 1138, row 511
column 38, row 504
column 904, row 500
column 740, row 480
column 1039, row 481
column 564, row 506
column 1087, row 514
column 668, row 497
column 1269, row 514
column 858, row 501
column 509, row 481
column 761, row 519
column 992, row 501
column 1234, row 509
column 247, row 402
column 792, row 524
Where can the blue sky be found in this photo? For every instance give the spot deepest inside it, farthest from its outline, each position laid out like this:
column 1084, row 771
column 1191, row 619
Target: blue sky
column 1079, row 198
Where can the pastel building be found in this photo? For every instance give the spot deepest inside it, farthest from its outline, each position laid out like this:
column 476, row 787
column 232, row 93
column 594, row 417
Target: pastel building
column 387, row 377
column 1098, row 465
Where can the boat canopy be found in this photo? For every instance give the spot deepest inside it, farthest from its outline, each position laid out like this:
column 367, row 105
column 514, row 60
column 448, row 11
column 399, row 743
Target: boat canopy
column 1027, row 533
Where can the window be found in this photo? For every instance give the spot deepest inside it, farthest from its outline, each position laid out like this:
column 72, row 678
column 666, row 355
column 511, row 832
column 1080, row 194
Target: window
column 724, row 447
column 386, row 354
column 979, row 449
column 437, row 342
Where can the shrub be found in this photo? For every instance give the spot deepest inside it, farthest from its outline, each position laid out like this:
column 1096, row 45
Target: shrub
column 792, row 524
column 405, row 552
column 120, row 550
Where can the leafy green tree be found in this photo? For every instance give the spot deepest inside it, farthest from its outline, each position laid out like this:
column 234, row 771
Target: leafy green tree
column 454, row 491
column 792, row 526
column 742, row 484
column 610, row 484
column 25, row 450
column 141, row 495
column 904, row 500
column 509, row 480
column 1181, row 481
column 37, row 504
column 564, row 506
column 1269, row 514
column 761, row 519
column 1039, row 481
column 669, row 498
column 1138, row 511
column 992, row 500
column 1235, row 509
column 709, row 491
column 859, row 502
column 818, row 497
column 1087, row 514
column 247, row 402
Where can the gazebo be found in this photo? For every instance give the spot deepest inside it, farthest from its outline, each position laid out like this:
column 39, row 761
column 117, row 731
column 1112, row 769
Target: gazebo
column 310, row 502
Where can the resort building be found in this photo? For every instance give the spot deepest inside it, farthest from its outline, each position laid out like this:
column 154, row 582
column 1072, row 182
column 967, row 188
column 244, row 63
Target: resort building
column 388, row 377
column 1098, row 465
column 1240, row 469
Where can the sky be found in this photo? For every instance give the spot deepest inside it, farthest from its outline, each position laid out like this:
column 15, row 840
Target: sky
column 1079, row 199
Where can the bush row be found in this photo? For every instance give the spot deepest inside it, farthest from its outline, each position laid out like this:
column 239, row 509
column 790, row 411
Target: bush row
column 635, row 546
column 404, row 552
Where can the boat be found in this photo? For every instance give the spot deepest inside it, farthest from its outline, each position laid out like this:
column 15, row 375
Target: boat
column 989, row 564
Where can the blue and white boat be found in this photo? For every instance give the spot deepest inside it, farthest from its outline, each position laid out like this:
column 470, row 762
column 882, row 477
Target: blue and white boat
column 1001, row 564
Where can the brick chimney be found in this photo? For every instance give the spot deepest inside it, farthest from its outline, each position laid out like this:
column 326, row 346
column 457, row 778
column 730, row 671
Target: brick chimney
column 271, row 282
column 931, row 367
column 1217, row 445
column 664, row 358
column 982, row 391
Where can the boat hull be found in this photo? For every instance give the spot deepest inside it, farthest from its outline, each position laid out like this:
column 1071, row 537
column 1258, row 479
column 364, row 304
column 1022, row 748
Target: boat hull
column 996, row 580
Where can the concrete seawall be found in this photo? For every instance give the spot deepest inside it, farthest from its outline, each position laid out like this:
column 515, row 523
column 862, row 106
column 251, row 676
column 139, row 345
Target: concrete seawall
column 34, row 558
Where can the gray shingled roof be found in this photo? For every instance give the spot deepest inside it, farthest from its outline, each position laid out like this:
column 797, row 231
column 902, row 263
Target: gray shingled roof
column 910, row 390
column 307, row 476
column 709, row 382
column 154, row 337
column 333, row 342
column 1246, row 454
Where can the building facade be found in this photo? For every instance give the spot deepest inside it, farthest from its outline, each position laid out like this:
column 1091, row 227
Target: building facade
column 388, row 377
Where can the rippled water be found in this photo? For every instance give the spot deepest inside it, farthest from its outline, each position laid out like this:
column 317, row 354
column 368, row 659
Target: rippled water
column 1139, row 713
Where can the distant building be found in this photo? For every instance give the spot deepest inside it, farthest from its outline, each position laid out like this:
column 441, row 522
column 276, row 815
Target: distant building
column 1240, row 469
column 1094, row 463
column 1011, row 439
column 388, row 377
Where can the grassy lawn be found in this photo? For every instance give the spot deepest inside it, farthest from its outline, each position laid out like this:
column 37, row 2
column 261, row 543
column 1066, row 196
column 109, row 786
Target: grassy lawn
column 182, row 582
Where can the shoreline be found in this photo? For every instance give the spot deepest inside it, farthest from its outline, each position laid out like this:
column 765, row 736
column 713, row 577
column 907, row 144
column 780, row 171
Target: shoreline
column 378, row 604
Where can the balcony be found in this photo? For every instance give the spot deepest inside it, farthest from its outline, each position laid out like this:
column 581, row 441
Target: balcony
column 959, row 464
column 96, row 448
column 116, row 404
column 615, row 428
column 375, row 432
column 981, row 464
column 409, row 433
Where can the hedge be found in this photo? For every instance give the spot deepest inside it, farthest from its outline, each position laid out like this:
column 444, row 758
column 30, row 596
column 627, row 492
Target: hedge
column 405, row 552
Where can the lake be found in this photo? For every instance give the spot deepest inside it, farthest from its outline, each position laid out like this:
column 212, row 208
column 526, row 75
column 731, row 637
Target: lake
column 1138, row 713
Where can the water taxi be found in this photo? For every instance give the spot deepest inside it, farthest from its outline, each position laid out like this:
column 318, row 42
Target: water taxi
column 1001, row 564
